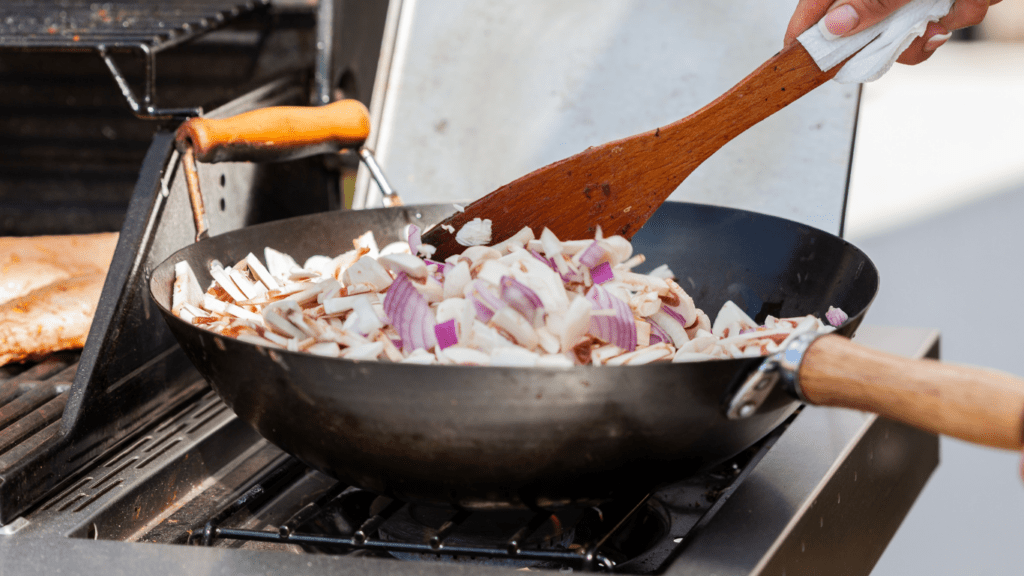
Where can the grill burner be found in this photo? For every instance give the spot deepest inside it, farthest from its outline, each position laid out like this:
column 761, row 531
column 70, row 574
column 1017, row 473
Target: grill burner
column 632, row 534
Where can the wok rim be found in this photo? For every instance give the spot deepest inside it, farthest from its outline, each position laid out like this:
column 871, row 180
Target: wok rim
column 848, row 329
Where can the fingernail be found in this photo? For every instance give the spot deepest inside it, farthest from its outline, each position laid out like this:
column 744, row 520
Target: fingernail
column 838, row 22
column 936, row 41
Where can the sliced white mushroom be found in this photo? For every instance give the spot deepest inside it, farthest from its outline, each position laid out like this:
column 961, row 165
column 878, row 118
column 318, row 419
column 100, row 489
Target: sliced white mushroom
column 278, row 263
column 513, row 357
column 431, row 289
column 188, row 312
column 455, row 280
column 663, row 272
column 462, row 355
column 731, row 314
column 577, row 322
column 395, row 248
column 420, row 356
column 492, row 271
column 221, row 278
column 516, row 326
column 479, row 254
column 364, row 352
column 368, row 242
column 329, row 349
column 245, row 285
column 367, row 270
column 645, row 303
column 658, row 352
column 413, row 266
column 186, row 289
column 476, row 232
column 691, row 357
column 600, row 355
column 520, row 239
column 260, row 272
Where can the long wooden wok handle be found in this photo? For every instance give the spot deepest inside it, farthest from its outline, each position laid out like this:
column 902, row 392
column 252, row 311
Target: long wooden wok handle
column 276, row 133
column 973, row 404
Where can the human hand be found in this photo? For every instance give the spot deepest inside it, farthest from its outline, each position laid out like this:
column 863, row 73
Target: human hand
column 845, row 17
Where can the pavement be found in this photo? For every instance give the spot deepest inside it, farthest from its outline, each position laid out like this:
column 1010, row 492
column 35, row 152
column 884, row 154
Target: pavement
column 937, row 201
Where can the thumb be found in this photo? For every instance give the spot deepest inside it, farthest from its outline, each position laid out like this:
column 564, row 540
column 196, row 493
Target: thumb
column 847, row 17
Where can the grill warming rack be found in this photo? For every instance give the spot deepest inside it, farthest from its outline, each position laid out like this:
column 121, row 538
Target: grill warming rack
column 140, row 27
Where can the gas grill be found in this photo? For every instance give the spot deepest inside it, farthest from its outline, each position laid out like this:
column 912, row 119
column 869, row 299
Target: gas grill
column 120, row 459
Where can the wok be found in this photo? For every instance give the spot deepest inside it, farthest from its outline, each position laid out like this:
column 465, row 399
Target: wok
column 483, row 437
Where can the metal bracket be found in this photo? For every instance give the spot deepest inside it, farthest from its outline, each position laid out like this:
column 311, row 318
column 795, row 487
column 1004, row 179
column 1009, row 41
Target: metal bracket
column 784, row 365
column 391, row 197
column 147, row 110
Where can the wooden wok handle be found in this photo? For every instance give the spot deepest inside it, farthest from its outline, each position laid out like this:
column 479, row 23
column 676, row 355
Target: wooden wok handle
column 980, row 406
column 277, row 133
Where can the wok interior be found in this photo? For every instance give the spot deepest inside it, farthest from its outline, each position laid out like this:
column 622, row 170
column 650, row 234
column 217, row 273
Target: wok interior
column 483, row 437
column 764, row 264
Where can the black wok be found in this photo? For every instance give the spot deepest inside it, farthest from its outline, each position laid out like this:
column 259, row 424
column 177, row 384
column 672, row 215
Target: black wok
column 483, row 437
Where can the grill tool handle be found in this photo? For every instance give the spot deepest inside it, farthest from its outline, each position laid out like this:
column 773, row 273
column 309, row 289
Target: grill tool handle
column 973, row 404
column 277, row 133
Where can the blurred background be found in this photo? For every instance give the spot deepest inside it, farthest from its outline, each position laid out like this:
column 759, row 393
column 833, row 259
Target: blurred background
column 937, row 200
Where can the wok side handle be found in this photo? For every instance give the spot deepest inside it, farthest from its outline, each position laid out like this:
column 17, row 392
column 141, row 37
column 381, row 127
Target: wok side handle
column 974, row 404
column 277, row 133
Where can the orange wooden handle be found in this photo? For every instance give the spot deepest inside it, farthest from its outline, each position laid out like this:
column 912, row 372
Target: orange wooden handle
column 980, row 406
column 277, row 133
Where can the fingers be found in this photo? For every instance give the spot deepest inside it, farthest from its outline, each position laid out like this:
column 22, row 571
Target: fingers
column 966, row 13
column 922, row 48
column 808, row 12
column 847, row 17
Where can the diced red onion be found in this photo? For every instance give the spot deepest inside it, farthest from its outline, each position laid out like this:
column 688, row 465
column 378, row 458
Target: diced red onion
column 410, row 314
column 484, row 301
column 658, row 334
column 520, row 297
column 836, row 316
column 619, row 329
column 547, row 261
column 675, row 316
column 414, row 239
column 446, row 334
column 602, row 273
column 593, row 255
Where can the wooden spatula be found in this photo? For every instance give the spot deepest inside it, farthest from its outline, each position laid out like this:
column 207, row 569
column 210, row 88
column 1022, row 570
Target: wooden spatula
column 620, row 185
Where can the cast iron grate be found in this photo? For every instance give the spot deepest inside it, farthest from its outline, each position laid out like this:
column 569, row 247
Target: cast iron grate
column 32, row 400
column 140, row 27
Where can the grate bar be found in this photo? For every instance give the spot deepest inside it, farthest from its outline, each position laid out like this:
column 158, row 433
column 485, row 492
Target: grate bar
column 569, row 558
column 78, row 24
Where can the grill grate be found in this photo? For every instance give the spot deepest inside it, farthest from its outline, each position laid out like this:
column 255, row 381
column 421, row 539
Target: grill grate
column 86, row 24
column 31, row 404
column 141, row 27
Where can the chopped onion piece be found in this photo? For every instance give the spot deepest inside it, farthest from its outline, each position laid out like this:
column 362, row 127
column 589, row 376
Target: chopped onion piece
column 485, row 302
column 602, row 273
column 522, row 299
column 836, row 316
column 446, row 334
column 410, row 314
column 619, row 329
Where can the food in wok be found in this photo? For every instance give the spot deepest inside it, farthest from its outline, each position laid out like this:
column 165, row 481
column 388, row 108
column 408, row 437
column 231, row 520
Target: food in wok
column 526, row 301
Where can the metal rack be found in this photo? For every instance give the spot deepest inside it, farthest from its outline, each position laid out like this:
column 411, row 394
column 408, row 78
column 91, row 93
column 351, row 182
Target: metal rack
column 143, row 28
